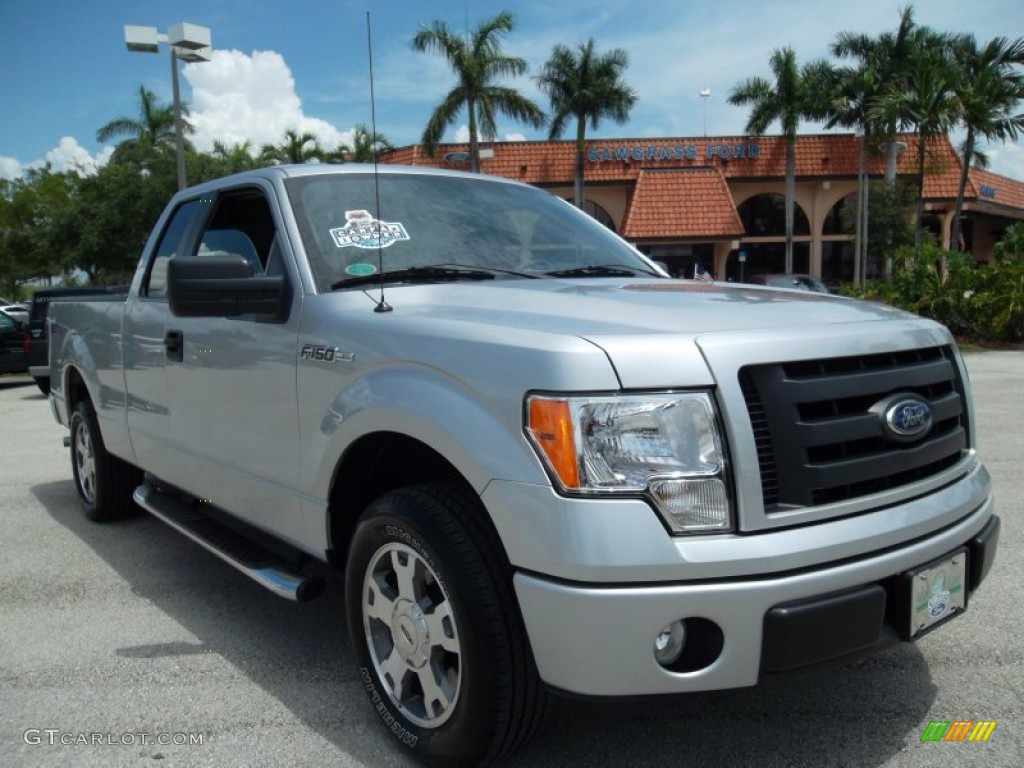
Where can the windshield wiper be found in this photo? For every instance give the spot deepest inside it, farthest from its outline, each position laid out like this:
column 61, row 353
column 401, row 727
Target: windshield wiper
column 602, row 270
column 432, row 274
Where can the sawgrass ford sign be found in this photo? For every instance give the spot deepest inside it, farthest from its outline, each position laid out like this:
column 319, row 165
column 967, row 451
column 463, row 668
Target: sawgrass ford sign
column 640, row 152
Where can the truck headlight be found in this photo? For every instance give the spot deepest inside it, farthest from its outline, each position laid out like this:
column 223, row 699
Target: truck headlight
column 664, row 446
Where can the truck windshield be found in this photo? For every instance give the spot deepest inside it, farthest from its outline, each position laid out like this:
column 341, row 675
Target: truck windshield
column 430, row 220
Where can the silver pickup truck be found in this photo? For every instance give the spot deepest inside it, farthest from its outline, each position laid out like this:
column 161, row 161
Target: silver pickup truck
column 541, row 464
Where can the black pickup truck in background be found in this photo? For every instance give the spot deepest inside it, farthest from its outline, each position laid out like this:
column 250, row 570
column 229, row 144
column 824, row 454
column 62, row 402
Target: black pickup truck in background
column 36, row 341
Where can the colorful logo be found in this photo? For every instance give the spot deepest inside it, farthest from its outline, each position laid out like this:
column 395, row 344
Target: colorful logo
column 958, row 730
column 363, row 231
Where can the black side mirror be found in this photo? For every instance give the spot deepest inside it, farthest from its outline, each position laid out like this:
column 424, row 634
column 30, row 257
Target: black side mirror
column 223, row 286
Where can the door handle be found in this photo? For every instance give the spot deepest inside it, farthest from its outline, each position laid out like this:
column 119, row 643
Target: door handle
column 174, row 344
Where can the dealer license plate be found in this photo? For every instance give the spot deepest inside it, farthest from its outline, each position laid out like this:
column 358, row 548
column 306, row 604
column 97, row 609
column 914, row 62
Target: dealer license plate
column 938, row 592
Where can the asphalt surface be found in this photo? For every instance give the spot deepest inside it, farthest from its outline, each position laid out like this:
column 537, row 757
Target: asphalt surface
column 128, row 629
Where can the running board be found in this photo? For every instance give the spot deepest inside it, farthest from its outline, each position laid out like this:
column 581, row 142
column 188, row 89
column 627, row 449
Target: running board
column 258, row 563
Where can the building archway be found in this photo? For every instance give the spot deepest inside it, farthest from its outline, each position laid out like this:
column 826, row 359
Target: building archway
column 596, row 211
column 838, row 231
column 764, row 242
column 764, row 215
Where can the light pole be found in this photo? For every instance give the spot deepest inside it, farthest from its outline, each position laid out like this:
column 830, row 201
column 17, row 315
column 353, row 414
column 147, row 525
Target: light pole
column 188, row 43
column 860, row 267
column 704, row 95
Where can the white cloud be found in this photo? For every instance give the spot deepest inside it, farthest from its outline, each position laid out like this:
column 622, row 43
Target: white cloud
column 68, row 155
column 10, row 168
column 236, row 97
column 104, row 156
column 514, row 137
column 1007, row 160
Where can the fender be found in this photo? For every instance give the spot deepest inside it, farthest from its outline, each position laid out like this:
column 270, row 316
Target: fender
column 429, row 406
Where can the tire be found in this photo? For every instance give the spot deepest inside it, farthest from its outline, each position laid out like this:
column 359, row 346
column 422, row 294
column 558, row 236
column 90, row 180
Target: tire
column 43, row 382
column 105, row 483
column 430, row 608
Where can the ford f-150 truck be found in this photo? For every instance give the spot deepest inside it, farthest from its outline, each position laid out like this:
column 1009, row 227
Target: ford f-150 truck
column 540, row 463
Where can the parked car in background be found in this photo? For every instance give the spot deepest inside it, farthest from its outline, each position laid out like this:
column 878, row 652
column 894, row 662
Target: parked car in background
column 36, row 345
column 16, row 312
column 793, row 280
column 12, row 352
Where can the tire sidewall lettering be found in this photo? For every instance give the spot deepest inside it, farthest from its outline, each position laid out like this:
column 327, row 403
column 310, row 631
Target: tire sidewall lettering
column 407, row 737
column 394, row 532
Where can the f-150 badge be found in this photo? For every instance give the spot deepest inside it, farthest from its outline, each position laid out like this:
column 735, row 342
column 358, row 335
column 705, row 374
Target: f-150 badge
column 325, row 354
column 363, row 231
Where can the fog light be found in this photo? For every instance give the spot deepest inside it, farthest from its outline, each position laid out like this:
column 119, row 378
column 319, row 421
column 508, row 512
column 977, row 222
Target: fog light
column 699, row 505
column 668, row 645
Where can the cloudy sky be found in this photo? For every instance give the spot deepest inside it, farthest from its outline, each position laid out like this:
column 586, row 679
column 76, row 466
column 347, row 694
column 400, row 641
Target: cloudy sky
column 303, row 65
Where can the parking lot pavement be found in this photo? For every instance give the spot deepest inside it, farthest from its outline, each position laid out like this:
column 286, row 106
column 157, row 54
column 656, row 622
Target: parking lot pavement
column 129, row 629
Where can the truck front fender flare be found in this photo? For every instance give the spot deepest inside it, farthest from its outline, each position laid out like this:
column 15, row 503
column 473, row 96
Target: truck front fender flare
column 426, row 405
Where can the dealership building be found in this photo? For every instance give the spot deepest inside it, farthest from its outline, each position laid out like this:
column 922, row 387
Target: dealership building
column 719, row 201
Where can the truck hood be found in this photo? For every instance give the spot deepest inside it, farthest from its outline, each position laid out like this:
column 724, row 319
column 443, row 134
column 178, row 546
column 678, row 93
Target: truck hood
column 602, row 306
column 649, row 328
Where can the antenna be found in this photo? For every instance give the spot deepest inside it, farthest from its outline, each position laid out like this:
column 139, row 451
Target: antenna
column 382, row 305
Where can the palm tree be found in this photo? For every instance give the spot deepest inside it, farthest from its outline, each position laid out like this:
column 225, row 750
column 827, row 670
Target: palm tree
column 987, row 90
column 153, row 127
column 924, row 103
column 886, row 59
column 587, row 86
column 790, row 98
column 848, row 97
column 365, row 147
column 296, row 148
column 477, row 61
column 235, row 158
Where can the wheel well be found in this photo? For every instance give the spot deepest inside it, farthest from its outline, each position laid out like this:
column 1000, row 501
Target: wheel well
column 76, row 391
column 372, row 466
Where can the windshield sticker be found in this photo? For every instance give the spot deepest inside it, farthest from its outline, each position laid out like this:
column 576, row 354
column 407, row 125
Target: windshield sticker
column 364, row 231
column 359, row 269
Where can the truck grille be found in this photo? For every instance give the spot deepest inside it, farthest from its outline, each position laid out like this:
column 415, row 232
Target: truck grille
column 819, row 442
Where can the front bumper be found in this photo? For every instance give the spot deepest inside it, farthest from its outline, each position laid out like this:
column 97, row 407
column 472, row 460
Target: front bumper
column 598, row 640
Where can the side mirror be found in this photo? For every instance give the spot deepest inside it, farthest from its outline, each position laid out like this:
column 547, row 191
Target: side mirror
column 223, row 286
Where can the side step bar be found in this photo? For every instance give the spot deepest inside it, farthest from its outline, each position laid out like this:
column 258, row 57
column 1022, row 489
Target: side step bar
column 258, row 563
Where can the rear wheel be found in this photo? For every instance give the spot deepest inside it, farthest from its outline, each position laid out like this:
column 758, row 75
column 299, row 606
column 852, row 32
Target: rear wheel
column 436, row 629
column 104, row 482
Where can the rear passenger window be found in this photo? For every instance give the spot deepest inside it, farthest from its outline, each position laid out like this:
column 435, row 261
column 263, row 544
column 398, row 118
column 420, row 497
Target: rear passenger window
column 171, row 245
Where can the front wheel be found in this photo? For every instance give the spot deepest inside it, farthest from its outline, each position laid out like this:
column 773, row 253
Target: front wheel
column 104, row 482
column 436, row 628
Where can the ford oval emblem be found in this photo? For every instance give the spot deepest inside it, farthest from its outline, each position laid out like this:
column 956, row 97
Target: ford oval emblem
column 908, row 419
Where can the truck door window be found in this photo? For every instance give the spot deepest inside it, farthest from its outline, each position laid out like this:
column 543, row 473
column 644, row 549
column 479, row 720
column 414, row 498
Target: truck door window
column 230, row 242
column 171, row 244
column 241, row 225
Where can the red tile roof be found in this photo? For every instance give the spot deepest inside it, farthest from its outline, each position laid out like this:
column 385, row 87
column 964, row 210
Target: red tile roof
column 994, row 189
column 681, row 203
column 550, row 163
